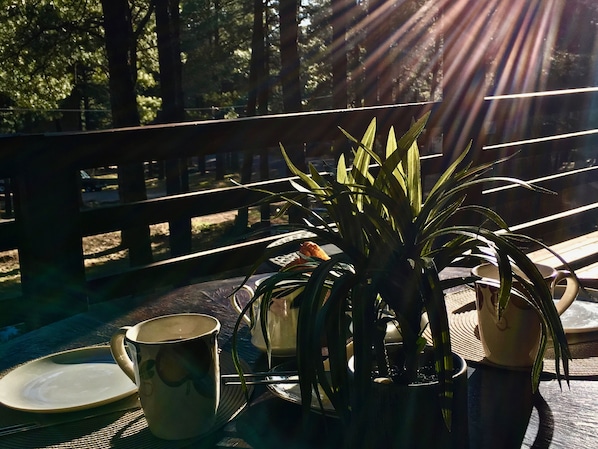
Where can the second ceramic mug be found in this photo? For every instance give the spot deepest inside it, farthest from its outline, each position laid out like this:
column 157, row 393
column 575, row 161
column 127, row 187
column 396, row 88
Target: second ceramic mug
column 513, row 340
column 174, row 362
column 282, row 320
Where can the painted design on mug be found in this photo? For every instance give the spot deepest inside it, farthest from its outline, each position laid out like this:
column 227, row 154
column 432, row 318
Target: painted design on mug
column 184, row 363
column 146, row 372
column 502, row 324
column 279, row 307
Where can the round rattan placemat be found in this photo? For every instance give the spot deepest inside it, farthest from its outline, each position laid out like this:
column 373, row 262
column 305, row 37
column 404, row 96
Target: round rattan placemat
column 466, row 342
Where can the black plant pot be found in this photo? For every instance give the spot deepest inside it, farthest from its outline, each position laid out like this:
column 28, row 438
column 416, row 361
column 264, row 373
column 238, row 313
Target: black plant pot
column 409, row 416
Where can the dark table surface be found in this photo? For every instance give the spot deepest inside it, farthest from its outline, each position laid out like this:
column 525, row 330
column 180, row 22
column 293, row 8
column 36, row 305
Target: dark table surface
column 503, row 412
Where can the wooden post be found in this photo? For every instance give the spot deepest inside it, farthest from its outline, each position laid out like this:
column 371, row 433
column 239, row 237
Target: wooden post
column 8, row 207
column 177, row 181
column 50, row 248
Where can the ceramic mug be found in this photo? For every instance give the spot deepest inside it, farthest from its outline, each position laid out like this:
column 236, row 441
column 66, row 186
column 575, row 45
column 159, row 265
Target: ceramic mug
column 174, row 362
column 282, row 320
column 513, row 341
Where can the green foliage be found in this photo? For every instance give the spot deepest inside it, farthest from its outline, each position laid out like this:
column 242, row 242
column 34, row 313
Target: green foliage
column 147, row 107
column 215, row 42
column 39, row 51
column 53, row 56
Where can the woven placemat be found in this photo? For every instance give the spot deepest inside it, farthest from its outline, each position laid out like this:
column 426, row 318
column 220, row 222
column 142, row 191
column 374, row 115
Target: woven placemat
column 465, row 339
column 128, row 430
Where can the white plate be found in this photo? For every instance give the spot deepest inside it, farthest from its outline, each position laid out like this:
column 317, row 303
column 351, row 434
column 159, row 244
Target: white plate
column 582, row 315
column 66, row 381
column 292, row 392
column 580, row 320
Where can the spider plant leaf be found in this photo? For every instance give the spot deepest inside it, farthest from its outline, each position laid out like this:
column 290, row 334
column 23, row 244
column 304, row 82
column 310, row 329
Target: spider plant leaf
column 306, row 328
column 391, row 142
column 431, row 219
column 414, row 131
column 448, row 173
column 413, row 173
column 341, row 170
column 389, row 209
column 304, row 177
column 433, row 297
column 392, row 147
column 299, row 188
column 486, row 213
column 328, row 323
column 361, row 163
column 400, row 173
column 317, row 177
column 362, row 300
column 506, row 281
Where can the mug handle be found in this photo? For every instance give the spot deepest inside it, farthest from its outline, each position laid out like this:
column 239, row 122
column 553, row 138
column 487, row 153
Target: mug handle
column 237, row 306
column 570, row 292
column 120, row 354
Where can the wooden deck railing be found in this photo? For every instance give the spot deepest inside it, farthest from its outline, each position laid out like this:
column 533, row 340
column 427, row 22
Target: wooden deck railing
column 555, row 149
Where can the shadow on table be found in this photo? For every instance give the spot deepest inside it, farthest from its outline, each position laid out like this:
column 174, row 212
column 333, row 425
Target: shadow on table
column 500, row 405
column 137, row 435
column 500, row 415
column 274, row 423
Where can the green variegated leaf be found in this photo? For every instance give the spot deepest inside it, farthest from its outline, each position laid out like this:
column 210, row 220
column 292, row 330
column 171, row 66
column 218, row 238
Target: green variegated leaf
column 439, row 326
column 341, row 170
column 444, row 177
column 414, row 178
column 305, row 178
column 361, row 163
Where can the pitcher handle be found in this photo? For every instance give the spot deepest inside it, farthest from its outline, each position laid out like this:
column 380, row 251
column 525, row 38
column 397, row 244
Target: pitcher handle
column 120, row 354
column 570, row 293
column 237, row 306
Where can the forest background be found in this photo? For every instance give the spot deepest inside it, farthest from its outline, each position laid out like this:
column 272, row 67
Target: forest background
column 225, row 58
column 55, row 69
column 83, row 65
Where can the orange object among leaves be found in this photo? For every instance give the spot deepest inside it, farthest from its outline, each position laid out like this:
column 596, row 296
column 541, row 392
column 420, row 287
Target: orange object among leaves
column 308, row 250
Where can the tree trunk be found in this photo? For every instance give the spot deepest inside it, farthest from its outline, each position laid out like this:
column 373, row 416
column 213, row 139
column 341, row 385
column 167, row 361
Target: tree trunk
column 289, row 76
column 169, row 57
column 289, row 56
column 257, row 68
column 263, row 96
column 257, row 102
column 118, row 36
column 119, row 46
column 340, row 15
column 374, row 56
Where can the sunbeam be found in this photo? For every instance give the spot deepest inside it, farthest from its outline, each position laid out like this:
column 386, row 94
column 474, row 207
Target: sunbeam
column 460, row 52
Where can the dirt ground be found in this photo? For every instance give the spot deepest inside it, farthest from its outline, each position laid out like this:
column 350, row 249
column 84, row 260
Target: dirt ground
column 104, row 253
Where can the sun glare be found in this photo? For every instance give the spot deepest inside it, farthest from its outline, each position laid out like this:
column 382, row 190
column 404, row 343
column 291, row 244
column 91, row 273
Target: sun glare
column 477, row 48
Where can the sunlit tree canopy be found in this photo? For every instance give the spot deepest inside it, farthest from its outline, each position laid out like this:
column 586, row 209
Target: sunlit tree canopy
column 457, row 51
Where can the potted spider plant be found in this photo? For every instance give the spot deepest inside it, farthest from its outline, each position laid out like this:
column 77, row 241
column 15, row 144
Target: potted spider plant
column 393, row 243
